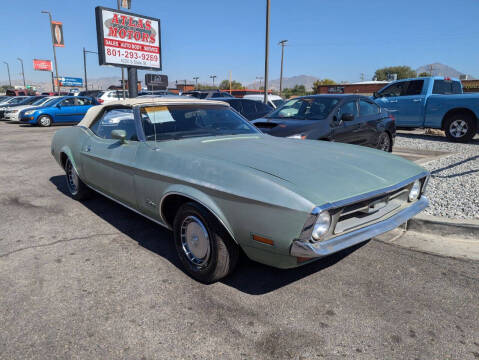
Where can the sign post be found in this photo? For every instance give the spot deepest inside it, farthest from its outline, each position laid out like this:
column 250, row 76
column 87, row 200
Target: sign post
column 128, row 40
column 44, row 65
column 57, row 40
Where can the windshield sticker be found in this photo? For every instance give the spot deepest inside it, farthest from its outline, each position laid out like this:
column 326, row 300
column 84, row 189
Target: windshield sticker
column 159, row 114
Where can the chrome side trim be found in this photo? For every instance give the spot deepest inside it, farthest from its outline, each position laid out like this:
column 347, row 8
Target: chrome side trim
column 324, row 248
column 129, row 207
column 199, row 202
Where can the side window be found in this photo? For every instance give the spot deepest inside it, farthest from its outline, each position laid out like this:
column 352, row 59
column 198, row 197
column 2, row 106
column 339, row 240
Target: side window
column 366, row 108
column 248, row 107
column 261, row 107
column 392, row 90
column 68, row 102
column 349, row 108
column 446, row 87
column 414, row 88
column 115, row 119
column 83, row 101
column 236, row 104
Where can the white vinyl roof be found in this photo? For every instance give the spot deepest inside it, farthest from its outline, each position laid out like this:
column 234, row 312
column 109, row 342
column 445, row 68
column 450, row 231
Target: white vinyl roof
column 93, row 112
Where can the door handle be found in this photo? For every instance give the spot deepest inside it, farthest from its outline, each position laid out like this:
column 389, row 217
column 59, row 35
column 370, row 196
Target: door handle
column 87, row 148
column 393, row 101
column 416, row 100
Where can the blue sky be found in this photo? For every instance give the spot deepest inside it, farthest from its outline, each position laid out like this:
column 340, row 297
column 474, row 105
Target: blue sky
column 337, row 39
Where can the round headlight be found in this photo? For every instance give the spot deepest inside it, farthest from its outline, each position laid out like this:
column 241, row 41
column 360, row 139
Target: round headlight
column 321, row 227
column 415, row 190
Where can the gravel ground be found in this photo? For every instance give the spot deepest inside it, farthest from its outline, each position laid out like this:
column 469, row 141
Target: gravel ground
column 454, row 183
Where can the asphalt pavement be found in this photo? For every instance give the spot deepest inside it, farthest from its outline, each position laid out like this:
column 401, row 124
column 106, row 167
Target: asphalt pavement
column 94, row 280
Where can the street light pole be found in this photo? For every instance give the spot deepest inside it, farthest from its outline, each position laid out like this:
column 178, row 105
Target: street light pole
column 213, row 77
column 259, row 78
column 54, row 50
column 266, row 53
column 196, row 82
column 23, row 73
column 8, row 70
column 84, row 65
column 282, row 43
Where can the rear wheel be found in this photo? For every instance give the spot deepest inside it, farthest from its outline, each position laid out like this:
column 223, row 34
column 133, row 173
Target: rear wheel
column 77, row 188
column 384, row 142
column 44, row 120
column 460, row 127
column 206, row 250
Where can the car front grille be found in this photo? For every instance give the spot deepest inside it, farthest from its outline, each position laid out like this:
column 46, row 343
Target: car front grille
column 368, row 211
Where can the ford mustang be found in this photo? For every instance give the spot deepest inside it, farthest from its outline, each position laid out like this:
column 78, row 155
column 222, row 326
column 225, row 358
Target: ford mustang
column 201, row 170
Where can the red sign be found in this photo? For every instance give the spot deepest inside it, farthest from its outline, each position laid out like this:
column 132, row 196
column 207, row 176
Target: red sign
column 42, row 65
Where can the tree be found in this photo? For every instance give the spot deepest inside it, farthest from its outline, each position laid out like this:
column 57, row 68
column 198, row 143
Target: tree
column 206, row 87
column 225, row 85
column 403, row 72
column 298, row 90
column 325, row 81
column 424, row 74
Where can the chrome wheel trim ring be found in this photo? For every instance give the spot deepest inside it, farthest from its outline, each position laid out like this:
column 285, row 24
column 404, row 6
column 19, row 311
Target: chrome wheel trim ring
column 458, row 128
column 195, row 241
column 45, row 120
column 72, row 178
column 384, row 142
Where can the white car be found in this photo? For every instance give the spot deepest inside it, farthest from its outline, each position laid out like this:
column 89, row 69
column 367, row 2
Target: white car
column 111, row 95
column 12, row 112
column 273, row 100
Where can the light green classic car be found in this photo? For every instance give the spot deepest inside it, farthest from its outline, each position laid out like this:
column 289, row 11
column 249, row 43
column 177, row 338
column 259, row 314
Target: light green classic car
column 200, row 169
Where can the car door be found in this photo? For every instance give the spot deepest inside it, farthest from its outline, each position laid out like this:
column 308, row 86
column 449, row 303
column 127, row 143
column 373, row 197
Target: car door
column 82, row 104
column 346, row 131
column 109, row 164
column 405, row 100
column 64, row 111
column 369, row 117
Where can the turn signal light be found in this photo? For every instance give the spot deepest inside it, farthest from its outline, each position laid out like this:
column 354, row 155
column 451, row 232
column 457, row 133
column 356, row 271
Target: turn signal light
column 263, row 240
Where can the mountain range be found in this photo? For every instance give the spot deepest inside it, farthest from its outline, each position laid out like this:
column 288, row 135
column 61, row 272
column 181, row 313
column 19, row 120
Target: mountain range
column 438, row 69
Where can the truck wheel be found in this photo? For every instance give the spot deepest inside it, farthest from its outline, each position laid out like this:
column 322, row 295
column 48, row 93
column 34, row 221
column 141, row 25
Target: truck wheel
column 204, row 247
column 460, row 127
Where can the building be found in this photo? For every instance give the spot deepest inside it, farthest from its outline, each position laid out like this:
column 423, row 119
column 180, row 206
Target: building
column 362, row 88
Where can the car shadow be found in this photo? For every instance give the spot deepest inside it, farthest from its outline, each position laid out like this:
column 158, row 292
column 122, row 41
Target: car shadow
column 249, row 277
column 432, row 137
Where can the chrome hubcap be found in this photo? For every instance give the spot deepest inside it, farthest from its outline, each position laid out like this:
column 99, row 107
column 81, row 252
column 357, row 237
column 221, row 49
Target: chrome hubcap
column 72, row 178
column 45, row 121
column 195, row 241
column 458, row 128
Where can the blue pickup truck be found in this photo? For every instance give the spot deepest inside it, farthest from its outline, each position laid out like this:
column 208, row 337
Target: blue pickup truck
column 432, row 102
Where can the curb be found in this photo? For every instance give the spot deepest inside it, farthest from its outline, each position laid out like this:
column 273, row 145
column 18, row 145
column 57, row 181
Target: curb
column 463, row 228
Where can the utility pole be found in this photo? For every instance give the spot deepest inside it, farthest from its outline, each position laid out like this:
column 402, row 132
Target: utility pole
column 84, row 65
column 54, row 51
column 266, row 53
column 362, row 76
column 23, row 73
column 282, row 43
column 213, row 77
column 8, row 70
column 196, row 82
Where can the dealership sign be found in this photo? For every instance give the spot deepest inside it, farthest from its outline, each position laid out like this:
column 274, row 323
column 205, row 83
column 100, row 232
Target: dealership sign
column 42, row 65
column 156, row 80
column 70, row 81
column 57, row 31
column 126, row 39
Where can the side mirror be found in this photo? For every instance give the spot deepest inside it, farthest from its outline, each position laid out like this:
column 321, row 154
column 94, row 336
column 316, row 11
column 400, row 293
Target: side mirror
column 119, row 135
column 59, row 106
column 347, row 117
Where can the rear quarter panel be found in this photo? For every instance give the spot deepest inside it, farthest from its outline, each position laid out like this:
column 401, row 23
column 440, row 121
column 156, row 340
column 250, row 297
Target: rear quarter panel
column 439, row 105
column 69, row 141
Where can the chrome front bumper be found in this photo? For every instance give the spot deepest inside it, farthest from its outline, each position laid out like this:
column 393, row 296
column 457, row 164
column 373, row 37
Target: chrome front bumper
column 301, row 248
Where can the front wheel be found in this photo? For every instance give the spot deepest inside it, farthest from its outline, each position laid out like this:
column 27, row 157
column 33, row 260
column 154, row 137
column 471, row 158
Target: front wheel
column 77, row 188
column 206, row 250
column 44, row 121
column 460, row 127
column 384, row 142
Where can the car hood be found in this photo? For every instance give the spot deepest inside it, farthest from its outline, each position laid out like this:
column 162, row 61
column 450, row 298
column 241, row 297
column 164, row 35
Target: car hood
column 286, row 127
column 22, row 107
column 320, row 171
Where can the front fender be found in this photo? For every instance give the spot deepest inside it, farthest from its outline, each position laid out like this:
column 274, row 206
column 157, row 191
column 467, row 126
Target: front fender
column 200, row 197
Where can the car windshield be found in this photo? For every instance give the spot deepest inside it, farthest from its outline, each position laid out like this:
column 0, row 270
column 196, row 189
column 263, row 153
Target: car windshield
column 277, row 103
column 40, row 101
column 312, row 108
column 175, row 122
column 17, row 100
column 50, row 102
